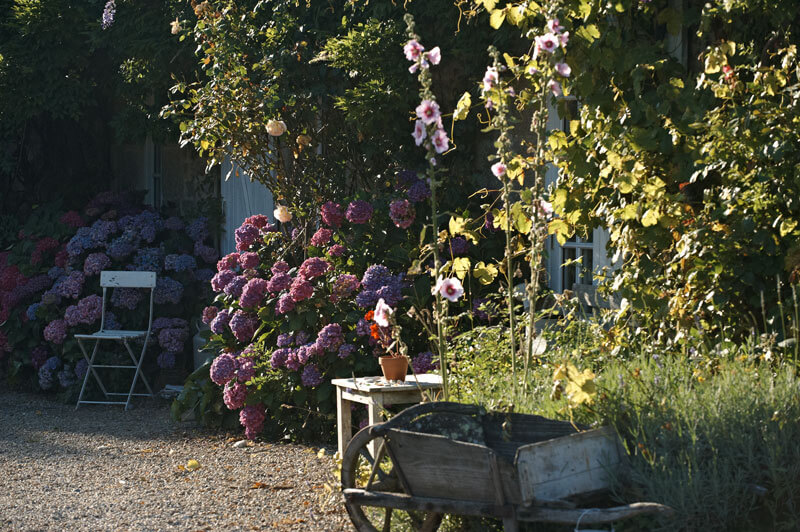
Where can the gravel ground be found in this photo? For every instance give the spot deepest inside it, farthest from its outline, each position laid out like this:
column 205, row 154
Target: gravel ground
column 102, row 468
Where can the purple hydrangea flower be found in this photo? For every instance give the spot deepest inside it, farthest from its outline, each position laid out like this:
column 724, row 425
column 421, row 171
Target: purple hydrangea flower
column 336, row 250
column 167, row 290
column 220, row 321
column 90, row 309
column 204, row 274
column 285, row 304
column 252, row 419
column 301, row 337
column 402, row 213
column 321, row 237
column 198, row 229
column 278, row 358
column 228, row 262
column 284, row 340
column 108, row 15
column 127, row 298
column 235, row 395
column 313, row 267
column 243, row 325
column 249, row 260
column 207, row 254
column 419, row 191
column 332, row 214
column 71, row 285
column 247, row 369
column 179, row 263
column 209, row 313
column 423, row 363
column 56, row 332
column 30, row 313
column 363, row 327
column 47, row 373
column 172, row 339
column 330, row 337
column 148, row 260
column 72, row 316
column 81, row 367
column 223, row 369
column 459, row 246
column 39, row 356
column 253, row 292
column 359, row 212
column 346, row 350
column 279, row 282
column 311, row 376
column 245, row 236
column 123, row 245
column 95, row 263
column 111, row 323
column 343, row 286
column 55, row 273
column 221, row 280
column 66, row 377
column 235, row 287
column 301, row 290
column 377, row 283
column 406, row 178
column 166, row 360
column 292, row 362
column 280, row 266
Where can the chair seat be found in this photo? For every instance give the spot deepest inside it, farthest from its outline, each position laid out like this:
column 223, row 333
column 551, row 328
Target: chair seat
column 112, row 335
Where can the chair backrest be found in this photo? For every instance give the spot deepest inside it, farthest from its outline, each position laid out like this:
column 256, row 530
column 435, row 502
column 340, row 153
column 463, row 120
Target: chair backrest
column 112, row 279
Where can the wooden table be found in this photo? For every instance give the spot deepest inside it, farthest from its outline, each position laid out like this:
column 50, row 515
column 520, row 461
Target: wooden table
column 375, row 392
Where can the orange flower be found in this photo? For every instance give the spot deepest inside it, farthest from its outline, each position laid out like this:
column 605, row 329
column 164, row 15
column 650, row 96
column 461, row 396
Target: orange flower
column 375, row 331
column 369, row 315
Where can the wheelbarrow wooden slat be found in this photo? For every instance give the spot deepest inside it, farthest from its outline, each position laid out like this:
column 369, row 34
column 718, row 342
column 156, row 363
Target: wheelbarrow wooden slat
column 401, row 501
column 520, row 429
column 430, row 463
column 575, row 464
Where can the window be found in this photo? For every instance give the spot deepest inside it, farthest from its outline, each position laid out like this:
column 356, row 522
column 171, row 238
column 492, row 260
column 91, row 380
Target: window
column 577, row 262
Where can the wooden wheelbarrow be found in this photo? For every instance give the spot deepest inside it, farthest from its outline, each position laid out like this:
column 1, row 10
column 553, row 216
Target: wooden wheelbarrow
column 448, row 458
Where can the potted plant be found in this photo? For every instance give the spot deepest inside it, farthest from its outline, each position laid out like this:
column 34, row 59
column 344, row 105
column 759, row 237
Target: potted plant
column 394, row 364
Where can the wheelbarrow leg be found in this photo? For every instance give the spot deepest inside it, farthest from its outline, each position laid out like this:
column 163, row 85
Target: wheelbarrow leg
column 510, row 524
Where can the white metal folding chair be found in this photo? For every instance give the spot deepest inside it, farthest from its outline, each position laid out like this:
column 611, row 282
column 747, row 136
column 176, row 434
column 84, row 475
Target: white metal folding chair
column 111, row 279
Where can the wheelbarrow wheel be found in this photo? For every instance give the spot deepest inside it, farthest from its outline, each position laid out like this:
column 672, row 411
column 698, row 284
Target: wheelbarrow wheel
column 359, row 470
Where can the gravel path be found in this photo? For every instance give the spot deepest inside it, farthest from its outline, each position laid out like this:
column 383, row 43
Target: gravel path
column 101, row 468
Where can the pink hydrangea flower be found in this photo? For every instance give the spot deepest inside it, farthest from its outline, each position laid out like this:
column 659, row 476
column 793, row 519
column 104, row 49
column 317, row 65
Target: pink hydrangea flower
column 441, row 142
column 402, row 213
column 332, row 214
column 419, row 133
column 428, row 112
column 413, row 49
column 450, row 289
column 563, row 69
column 321, row 237
column 499, row 169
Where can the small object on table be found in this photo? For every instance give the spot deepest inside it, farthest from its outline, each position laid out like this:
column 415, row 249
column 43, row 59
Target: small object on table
column 375, row 392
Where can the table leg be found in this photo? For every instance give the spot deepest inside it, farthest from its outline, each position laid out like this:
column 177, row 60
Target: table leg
column 375, row 416
column 343, row 421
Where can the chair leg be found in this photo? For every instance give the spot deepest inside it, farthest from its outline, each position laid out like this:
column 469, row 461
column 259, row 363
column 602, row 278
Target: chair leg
column 90, row 369
column 137, row 374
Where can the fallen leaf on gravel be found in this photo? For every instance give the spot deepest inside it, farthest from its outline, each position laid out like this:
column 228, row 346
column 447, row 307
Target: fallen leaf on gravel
column 258, row 486
column 243, row 443
column 282, row 487
column 146, row 451
column 38, row 412
column 192, row 465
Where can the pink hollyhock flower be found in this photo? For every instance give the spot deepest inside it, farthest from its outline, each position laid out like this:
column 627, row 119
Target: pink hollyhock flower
column 555, row 26
column 490, row 79
column 450, row 289
column 555, row 87
column 383, row 313
column 532, row 71
column 563, row 39
column 428, row 112
column 413, row 49
column 499, row 170
column 419, row 133
column 545, row 208
column 563, row 69
column 440, row 140
column 547, row 43
column 435, row 55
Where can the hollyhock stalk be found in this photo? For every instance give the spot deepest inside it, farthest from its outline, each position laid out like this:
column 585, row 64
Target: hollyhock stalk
column 426, row 93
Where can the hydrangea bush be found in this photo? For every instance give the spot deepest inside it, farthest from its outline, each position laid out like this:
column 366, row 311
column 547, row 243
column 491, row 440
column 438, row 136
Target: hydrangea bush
column 50, row 286
column 288, row 317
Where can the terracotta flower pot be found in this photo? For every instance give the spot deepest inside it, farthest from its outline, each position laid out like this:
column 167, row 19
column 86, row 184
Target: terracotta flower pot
column 394, row 368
